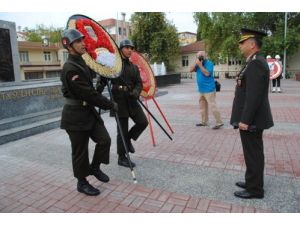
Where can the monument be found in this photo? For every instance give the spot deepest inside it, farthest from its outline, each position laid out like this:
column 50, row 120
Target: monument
column 9, row 56
column 26, row 107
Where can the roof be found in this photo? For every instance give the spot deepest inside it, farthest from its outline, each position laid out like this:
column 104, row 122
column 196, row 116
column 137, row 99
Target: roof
column 194, row 47
column 107, row 22
column 38, row 45
column 187, row 32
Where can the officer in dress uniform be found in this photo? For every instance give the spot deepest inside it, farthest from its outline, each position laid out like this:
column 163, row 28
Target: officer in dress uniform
column 79, row 117
column 251, row 112
column 126, row 90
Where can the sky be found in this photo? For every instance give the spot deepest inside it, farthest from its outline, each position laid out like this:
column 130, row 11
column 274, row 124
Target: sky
column 29, row 13
column 182, row 21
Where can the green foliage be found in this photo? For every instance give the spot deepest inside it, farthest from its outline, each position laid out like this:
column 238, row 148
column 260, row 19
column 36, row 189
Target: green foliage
column 221, row 32
column 154, row 35
column 35, row 35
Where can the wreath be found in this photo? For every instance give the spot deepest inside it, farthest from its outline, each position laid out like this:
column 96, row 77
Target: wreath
column 91, row 44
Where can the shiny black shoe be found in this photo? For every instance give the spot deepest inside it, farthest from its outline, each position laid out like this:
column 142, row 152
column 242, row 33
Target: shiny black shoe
column 130, row 147
column 125, row 162
column 86, row 188
column 247, row 195
column 241, row 184
column 99, row 175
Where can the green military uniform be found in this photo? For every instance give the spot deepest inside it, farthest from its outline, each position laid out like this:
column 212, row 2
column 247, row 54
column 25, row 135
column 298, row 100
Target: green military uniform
column 80, row 119
column 126, row 90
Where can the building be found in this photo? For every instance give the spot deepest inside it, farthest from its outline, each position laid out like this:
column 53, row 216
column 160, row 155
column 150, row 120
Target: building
column 118, row 29
column 40, row 62
column 21, row 36
column 186, row 38
column 187, row 56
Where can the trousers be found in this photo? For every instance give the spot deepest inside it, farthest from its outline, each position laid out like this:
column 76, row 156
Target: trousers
column 80, row 154
column 140, row 124
column 253, row 150
column 206, row 101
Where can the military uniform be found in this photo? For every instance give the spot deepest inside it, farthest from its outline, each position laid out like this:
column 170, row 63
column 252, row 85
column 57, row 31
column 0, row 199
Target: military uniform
column 251, row 106
column 126, row 90
column 80, row 119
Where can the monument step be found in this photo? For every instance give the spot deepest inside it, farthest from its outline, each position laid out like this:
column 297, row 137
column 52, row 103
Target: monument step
column 17, row 121
column 28, row 130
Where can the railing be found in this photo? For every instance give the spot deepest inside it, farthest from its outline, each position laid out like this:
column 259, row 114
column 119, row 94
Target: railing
column 40, row 63
column 291, row 74
column 226, row 74
column 187, row 75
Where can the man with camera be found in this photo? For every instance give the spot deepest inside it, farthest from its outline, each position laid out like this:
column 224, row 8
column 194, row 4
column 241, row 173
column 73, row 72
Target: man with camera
column 207, row 89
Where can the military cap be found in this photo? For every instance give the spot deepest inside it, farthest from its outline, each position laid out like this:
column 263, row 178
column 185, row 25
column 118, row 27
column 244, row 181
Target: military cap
column 247, row 33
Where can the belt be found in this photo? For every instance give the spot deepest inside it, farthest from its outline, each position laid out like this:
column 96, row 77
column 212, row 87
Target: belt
column 69, row 101
column 120, row 88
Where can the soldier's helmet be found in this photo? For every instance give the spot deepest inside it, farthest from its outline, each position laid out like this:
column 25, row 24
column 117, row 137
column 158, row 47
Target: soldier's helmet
column 277, row 57
column 69, row 36
column 268, row 57
column 126, row 42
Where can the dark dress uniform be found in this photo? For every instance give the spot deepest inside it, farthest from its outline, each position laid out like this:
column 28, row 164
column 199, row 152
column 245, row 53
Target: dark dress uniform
column 251, row 106
column 80, row 119
column 126, row 90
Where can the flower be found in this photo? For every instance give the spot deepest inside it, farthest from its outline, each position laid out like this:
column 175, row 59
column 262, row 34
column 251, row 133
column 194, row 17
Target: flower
column 102, row 41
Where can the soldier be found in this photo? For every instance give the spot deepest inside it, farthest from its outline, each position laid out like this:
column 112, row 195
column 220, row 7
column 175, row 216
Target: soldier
column 126, row 90
column 276, row 81
column 251, row 112
column 79, row 117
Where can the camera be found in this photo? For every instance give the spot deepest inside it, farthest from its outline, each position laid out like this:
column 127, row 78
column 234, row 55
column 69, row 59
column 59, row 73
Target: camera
column 201, row 58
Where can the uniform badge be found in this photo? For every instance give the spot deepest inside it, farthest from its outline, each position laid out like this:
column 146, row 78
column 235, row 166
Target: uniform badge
column 75, row 77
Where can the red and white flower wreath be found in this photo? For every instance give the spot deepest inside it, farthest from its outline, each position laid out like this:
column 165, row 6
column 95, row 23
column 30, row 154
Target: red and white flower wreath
column 91, row 44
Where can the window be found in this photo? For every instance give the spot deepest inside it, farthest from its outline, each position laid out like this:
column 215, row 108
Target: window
column 185, row 61
column 47, row 56
column 124, row 31
column 24, row 57
column 65, row 56
column 120, row 31
column 33, row 75
column 50, row 74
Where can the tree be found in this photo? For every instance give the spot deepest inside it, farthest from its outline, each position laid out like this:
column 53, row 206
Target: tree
column 221, row 32
column 36, row 35
column 154, row 35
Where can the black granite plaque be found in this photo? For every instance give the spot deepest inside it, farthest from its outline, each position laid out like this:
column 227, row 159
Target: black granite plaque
column 6, row 63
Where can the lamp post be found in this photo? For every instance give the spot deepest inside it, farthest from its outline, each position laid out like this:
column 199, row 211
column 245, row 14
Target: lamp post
column 117, row 30
column 284, row 52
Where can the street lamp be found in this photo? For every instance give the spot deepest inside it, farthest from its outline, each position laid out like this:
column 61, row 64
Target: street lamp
column 284, row 52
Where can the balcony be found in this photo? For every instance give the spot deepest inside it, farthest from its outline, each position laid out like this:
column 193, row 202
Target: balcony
column 40, row 63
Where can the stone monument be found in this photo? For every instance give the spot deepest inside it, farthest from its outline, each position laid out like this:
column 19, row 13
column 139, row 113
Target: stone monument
column 9, row 56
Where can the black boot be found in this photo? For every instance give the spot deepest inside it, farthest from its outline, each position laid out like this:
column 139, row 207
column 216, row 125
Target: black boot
column 83, row 186
column 99, row 174
column 130, row 147
column 123, row 161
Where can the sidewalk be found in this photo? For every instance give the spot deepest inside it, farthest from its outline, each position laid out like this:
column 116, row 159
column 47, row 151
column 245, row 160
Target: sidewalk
column 195, row 172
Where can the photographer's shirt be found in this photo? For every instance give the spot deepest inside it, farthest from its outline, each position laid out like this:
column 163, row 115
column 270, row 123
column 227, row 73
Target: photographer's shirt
column 206, row 84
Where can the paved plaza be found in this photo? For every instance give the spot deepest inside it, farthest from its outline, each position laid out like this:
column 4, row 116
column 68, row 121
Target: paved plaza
column 194, row 173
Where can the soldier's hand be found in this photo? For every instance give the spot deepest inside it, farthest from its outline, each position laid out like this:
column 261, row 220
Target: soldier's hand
column 101, row 83
column 134, row 93
column 115, row 106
